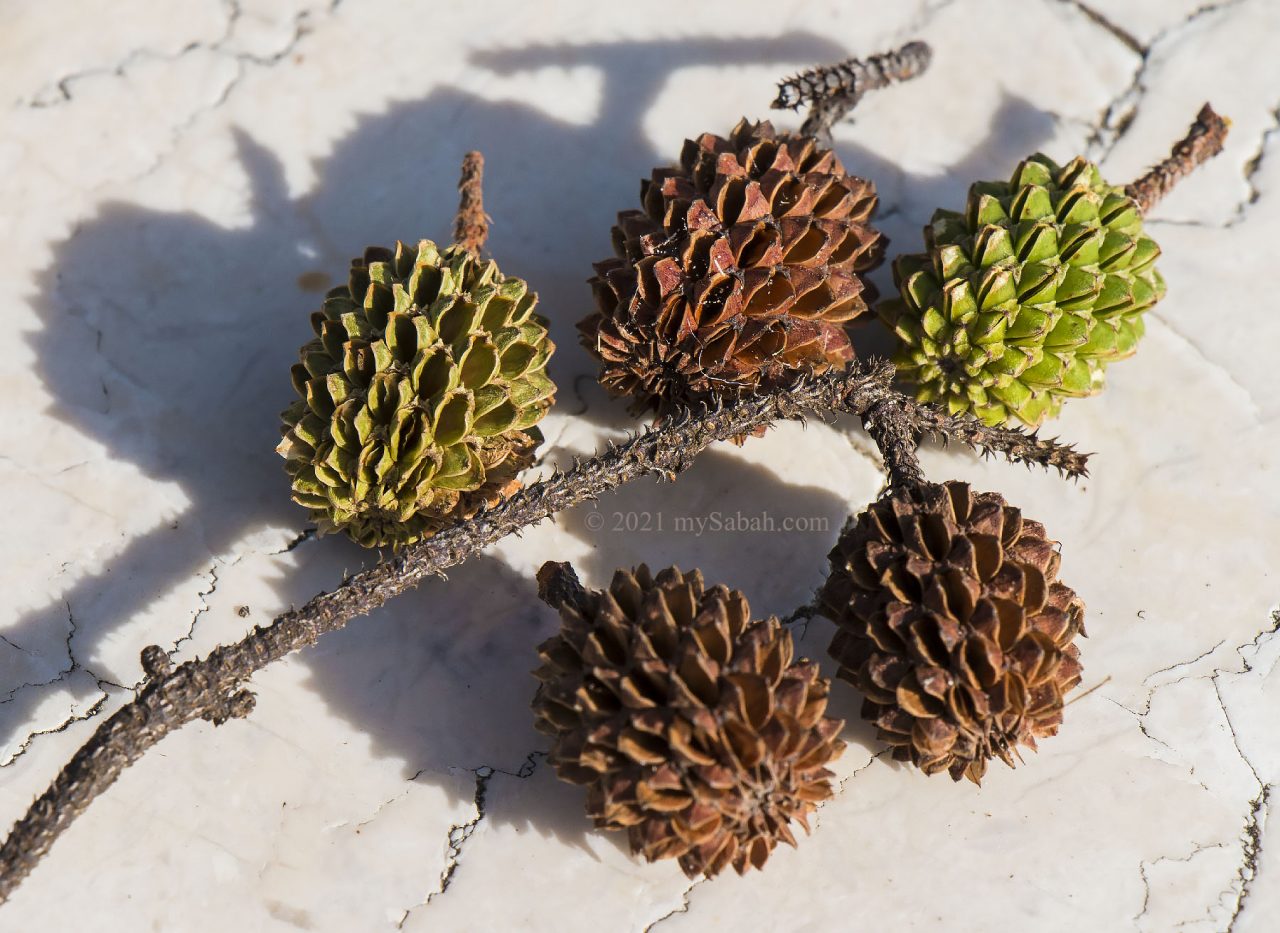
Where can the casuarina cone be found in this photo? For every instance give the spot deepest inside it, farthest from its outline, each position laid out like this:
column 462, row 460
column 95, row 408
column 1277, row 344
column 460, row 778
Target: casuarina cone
column 743, row 268
column 1022, row 299
column 953, row 624
column 419, row 395
column 691, row 725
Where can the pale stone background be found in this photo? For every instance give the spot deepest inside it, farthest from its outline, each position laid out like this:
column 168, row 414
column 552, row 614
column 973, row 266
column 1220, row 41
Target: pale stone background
column 181, row 180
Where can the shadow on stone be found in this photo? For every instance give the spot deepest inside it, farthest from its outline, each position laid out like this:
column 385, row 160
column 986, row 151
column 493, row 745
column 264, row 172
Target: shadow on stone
column 168, row 339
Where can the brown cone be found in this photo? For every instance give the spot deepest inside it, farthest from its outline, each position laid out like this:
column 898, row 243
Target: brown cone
column 954, row 626
column 744, row 267
column 688, row 723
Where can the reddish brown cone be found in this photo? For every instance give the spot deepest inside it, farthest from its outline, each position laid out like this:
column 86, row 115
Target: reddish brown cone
column 743, row 268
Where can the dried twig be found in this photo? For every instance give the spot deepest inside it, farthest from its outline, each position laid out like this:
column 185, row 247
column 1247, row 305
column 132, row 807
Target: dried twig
column 213, row 688
column 1014, row 445
column 891, row 429
column 471, row 227
column 833, row 90
column 1203, row 141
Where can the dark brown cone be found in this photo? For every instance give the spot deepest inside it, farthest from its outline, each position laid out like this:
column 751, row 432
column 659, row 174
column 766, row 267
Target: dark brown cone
column 743, row 268
column 954, row 626
column 688, row 723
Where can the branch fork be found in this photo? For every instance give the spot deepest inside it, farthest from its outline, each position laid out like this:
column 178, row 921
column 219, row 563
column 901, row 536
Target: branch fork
column 212, row 688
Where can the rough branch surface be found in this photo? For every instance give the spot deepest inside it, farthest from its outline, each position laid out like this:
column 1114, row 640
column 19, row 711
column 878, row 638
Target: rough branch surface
column 212, row 688
column 1203, row 141
column 833, row 90
column 471, row 227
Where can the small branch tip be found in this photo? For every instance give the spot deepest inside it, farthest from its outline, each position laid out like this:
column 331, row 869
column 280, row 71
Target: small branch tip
column 558, row 585
column 1203, row 141
column 832, row 91
column 471, row 228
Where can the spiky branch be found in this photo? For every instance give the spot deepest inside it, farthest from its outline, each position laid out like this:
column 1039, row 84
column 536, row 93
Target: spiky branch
column 213, row 688
column 831, row 91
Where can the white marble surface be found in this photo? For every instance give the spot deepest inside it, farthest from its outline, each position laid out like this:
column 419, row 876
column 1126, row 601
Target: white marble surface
column 179, row 182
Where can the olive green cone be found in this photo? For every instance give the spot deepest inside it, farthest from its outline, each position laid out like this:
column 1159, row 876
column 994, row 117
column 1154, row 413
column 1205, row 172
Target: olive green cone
column 1023, row 299
column 418, row 396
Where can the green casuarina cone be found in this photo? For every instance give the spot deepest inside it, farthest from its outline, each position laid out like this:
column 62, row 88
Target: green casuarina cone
column 418, row 397
column 1020, row 301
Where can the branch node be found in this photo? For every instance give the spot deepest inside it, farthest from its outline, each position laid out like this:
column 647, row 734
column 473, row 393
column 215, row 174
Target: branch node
column 155, row 662
column 212, row 688
column 237, row 706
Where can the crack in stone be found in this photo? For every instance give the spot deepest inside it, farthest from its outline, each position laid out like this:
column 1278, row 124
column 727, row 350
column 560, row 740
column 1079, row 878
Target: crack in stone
column 853, row 774
column 458, row 836
column 307, row 534
column 73, row 666
column 526, row 769
column 1146, row 892
column 1171, row 222
column 1251, row 843
column 1235, row 739
column 1118, row 32
column 864, row 448
column 1140, row 716
column 65, row 672
column 460, row 833
column 1119, row 115
column 1251, row 836
column 89, row 713
column 1173, row 667
column 797, row 620
column 1252, row 167
column 195, row 618
column 683, row 908
column 1257, row 641
column 1146, row 881
column 578, row 394
column 61, row 92
column 102, row 682
column 1258, row 807
column 302, row 23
